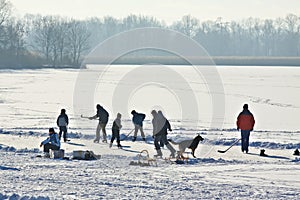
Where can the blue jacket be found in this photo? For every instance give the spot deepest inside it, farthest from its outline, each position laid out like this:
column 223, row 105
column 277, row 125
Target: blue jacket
column 138, row 118
column 52, row 139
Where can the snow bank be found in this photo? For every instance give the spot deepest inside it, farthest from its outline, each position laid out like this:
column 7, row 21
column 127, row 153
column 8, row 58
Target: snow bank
column 18, row 197
column 4, row 148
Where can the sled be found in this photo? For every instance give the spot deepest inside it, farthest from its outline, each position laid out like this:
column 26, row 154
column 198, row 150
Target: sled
column 144, row 160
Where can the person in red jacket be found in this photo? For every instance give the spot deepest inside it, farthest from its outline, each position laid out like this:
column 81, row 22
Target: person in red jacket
column 245, row 122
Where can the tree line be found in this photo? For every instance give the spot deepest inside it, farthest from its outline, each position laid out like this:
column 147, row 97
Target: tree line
column 55, row 41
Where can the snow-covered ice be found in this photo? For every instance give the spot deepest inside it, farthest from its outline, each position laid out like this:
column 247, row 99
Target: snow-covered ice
column 30, row 101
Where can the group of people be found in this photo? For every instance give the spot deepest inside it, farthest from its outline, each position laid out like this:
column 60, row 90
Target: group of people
column 161, row 125
column 53, row 141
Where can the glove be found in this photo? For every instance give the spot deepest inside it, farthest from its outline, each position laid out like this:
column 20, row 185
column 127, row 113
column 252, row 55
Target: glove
column 238, row 128
column 251, row 129
column 170, row 130
column 41, row 145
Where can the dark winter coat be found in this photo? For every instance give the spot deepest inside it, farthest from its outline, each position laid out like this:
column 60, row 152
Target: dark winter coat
column 62, row 120
column 138, row 118
column 245, row 120
column 117, row 124
column 103, row 115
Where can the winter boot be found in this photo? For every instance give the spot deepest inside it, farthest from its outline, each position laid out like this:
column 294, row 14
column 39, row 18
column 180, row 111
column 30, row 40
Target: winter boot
column 134, row 139
column 96, row 140
column 173, row 151
column 144, row 139
column 110, row 144
column 119, row 146
column 296, row 152
column 159, row 153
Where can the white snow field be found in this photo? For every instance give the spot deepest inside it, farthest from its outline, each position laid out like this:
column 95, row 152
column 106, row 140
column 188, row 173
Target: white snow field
column 30, row 101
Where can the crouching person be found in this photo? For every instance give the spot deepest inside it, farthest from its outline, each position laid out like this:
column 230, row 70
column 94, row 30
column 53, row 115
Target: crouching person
column 52, row 142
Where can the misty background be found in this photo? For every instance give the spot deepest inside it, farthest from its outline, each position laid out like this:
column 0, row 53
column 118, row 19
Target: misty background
column 56, row 41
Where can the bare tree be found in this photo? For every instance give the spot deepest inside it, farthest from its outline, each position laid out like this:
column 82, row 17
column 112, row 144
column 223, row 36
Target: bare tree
column 188, row 25
column 78, row 37
column 5, row 10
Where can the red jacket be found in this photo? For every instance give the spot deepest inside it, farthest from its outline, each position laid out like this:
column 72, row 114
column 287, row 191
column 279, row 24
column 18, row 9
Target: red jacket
column 245, row 120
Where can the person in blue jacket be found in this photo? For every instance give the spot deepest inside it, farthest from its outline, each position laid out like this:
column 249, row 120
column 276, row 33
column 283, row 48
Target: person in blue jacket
column 52, row 142
column 137, row 120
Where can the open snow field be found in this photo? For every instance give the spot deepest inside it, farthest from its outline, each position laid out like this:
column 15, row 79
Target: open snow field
column 30, row 101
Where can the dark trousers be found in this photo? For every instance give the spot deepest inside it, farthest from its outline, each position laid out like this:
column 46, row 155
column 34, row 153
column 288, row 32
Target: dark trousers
column 49, row 146
column 245, row 139
column 64, row 130
column 160, row 139
column 115, row 134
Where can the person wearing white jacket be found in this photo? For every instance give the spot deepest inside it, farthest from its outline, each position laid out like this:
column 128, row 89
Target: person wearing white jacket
column 52, row 142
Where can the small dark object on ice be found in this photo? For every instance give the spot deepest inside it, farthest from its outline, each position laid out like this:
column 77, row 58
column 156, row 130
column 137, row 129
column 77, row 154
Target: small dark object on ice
column 296, row 152
column 180, row 162
column 262, row 153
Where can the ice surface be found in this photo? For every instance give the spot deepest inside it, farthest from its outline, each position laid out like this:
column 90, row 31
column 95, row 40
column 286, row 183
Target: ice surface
column 30, row 101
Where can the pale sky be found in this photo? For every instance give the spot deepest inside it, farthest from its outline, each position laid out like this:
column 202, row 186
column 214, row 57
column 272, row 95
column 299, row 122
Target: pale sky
column 167, row 10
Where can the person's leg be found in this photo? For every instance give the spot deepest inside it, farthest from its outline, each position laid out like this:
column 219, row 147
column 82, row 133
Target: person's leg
column 161, row 142
column 142, row 133
column 104, row 132
column 60, row 131
column 243, row 140
column 136, row 128
column 47, row 147
column 118, row 138
column 247, row 135
column 97, row 133
column 64, row 129
column 157, row 138
column 165, row 141
column 113, row 136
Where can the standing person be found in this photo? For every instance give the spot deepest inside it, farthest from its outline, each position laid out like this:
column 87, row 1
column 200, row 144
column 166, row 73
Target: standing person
column 245, row 122
column 62, row 122
column 137, row 120
column 116, row 131
column 161, row 127
column 52, row 142
column 102, row 115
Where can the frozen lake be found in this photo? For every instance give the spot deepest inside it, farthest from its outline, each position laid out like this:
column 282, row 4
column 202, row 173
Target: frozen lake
column 32, row 99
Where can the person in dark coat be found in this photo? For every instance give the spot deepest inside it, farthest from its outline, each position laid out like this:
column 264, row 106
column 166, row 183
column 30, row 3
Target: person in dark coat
column 245, row 122
column 137, row 120
column 62, row 122
column 160, row 130
column 102, row 115
column 116, row 131
column 52, row 142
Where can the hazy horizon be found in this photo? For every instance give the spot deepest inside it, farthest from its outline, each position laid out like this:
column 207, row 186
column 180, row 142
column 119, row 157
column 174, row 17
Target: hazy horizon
column 167, row 10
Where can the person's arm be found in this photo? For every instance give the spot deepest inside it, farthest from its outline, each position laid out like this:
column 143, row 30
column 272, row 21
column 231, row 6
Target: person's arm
column 94, row 117
column 238, row 123
column 67, row 119
column 252, row 122
column 168, row 125
column 45, row 141
column 118, row 122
